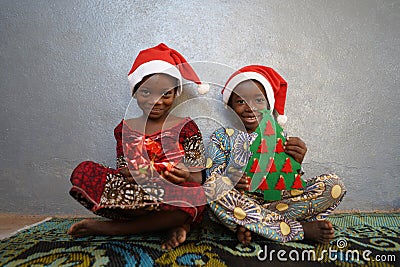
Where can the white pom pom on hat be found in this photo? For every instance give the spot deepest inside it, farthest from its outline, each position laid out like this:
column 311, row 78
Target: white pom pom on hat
column 275, row 86
column 162, row 59
column 203, row 88
column 282, row 119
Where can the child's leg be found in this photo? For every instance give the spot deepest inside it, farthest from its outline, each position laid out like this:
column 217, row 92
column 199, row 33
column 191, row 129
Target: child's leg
column 321, row 196
column 154, row 221
column 235, row 210
column 242, row 214
column 242, row 233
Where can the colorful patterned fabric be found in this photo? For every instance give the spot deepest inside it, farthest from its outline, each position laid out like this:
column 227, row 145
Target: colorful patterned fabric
column 107, row 193
column 374, row 235
column 277, row 220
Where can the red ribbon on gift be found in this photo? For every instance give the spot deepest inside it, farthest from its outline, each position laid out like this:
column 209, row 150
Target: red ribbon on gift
column 148, row 156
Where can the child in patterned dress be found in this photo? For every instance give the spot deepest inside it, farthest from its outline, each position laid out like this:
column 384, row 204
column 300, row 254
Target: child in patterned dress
column 300, row 214
column 156, row 185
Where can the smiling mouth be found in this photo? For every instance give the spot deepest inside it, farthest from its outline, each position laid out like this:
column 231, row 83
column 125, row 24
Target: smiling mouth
column 153, row 110
column 252, row 119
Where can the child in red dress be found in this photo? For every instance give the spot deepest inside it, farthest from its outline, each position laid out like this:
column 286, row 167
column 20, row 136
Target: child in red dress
column 156, row 185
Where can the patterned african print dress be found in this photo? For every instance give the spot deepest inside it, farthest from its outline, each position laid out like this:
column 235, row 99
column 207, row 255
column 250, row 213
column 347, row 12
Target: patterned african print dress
column 107, row 193
column 276, row 220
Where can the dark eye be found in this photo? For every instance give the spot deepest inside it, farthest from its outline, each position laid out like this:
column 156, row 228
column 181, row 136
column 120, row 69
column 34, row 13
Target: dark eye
column 240, row 101
column 260, row 100
column 144, row 92
column 167, row 93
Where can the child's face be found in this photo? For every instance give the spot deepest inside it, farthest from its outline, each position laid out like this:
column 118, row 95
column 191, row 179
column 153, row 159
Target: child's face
column 247, row 99
column 156, row 94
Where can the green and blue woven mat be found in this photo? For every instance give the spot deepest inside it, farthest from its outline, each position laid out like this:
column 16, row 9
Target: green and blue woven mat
column 366, row 239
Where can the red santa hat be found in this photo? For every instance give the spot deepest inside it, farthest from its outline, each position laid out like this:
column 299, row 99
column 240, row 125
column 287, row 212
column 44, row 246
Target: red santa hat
column 162, row 59
column 275, row 86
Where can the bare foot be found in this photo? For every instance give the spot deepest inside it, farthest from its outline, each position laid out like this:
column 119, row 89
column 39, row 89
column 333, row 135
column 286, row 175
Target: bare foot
column 319, row 231
column 86, row 227
column 243, row 235
column 176, row 236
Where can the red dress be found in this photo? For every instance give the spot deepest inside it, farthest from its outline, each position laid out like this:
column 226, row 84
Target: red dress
column 107, row 193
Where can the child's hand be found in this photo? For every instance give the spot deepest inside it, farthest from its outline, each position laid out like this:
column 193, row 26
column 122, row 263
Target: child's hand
column 296, row 148
column 178, row 174
column 242, row 181
column 131, row 176
column 125, row 172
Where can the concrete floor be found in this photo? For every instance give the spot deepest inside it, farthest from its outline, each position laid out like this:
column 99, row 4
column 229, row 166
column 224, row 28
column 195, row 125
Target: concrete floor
column 10, row 223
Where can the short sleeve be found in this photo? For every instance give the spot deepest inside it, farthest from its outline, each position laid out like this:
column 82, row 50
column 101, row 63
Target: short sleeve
column 217, row 153
column 192, row 142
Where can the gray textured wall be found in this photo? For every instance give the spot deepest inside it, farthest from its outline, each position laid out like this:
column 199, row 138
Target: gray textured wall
column 64, row 88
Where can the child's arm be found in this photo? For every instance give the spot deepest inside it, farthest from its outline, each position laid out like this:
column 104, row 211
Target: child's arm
column 217, row 154
column 194, row 157
column 296, row 148
column 180, row 173
column 124, row 171
column 121, row 162
column 131, row 176
column 196, row 177
column 241, row 180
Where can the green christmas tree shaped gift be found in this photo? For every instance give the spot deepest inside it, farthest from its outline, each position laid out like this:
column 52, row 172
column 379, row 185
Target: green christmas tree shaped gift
column 270, row 168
